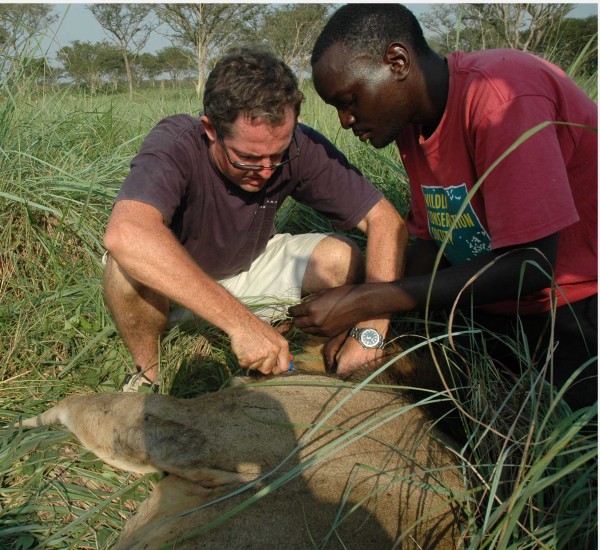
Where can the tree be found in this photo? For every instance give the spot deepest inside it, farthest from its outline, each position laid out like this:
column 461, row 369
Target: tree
column 39, row 70
column 174, row 61
column 205, row 29
column 128, row 26
column 147, row 65
column 111, row 65
column 574, row 36
column 494, row 25
column 88, row 64
column 290, row 31
column 19, row 24
column 523, row 26
column 79, row 61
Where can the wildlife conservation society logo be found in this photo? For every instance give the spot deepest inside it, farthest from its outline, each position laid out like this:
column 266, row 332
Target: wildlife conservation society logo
column 468, row 239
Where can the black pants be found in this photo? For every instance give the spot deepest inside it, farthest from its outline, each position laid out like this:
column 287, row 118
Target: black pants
column 575, row 339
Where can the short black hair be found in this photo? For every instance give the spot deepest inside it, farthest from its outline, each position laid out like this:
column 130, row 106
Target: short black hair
column 370, row 28
column 250, row 81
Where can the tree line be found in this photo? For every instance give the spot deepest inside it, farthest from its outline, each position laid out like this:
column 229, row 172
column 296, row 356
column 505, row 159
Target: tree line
column 198, row 33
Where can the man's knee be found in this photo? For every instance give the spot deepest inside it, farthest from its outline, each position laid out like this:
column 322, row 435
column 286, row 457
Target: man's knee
column 335, row 261
column 356, row 262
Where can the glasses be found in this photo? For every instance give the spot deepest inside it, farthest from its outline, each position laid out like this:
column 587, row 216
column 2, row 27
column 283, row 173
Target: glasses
column 258, row 167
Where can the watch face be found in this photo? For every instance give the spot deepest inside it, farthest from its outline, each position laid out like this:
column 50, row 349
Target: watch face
column 370, row 338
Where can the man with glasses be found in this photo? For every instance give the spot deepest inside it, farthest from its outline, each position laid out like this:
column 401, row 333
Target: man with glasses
column 193, row 226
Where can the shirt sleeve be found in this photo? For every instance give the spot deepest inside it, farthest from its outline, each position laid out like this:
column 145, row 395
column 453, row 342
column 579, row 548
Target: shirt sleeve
column 330, row 184
column 160, row 173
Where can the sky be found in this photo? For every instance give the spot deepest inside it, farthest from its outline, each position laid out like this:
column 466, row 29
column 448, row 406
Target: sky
column 76, row 22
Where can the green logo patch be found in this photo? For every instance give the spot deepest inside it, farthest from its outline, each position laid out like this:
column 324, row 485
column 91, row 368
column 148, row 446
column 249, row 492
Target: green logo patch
column 468, row 239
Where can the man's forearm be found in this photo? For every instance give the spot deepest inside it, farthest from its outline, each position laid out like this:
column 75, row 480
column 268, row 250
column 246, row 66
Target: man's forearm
column 487, row 279
column 157, row 260
column 386, row 253
column 387, row 240
column 481, row 281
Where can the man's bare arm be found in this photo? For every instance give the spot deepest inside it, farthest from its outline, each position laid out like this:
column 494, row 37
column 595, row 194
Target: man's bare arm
column 501, row 275
column 387, row 238
column 147, row 251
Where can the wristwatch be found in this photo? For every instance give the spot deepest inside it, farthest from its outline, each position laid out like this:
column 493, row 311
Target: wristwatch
column 369, row 338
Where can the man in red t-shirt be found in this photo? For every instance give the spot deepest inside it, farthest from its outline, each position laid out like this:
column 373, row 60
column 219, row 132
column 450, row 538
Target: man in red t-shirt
column 518, row 231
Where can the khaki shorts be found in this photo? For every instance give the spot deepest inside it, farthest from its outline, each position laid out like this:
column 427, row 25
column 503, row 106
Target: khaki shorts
column 273, row 282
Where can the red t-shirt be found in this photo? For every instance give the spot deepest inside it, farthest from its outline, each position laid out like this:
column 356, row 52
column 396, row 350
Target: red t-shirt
column 223, row 227
column 547, row 185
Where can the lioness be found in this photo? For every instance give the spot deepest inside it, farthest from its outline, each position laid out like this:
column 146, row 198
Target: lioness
column 298, row 461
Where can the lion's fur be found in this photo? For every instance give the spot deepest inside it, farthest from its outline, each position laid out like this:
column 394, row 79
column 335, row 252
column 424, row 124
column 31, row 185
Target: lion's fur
column 394, row 481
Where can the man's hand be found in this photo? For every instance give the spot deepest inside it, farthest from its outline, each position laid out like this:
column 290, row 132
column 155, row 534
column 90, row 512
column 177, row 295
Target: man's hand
column 331, row 312
column 260, row 347
column 149, row 253
column 344, row 354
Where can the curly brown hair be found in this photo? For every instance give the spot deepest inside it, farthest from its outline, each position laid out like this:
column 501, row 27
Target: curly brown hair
column 250, row 81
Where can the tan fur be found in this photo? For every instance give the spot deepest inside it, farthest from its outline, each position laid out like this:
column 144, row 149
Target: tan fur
column 394, row 482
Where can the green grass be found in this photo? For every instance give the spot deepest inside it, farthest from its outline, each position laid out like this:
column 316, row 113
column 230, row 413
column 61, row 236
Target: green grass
column 530, row 463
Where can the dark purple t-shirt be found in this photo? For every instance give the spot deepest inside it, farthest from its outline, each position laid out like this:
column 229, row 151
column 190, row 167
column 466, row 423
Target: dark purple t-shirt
column 221, row 226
